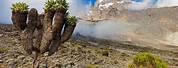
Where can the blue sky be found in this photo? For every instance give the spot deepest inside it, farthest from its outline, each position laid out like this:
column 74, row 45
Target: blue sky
column 92, row 2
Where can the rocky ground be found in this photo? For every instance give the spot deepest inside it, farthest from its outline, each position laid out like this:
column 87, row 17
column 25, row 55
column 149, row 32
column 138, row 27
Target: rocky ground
column 79, row 52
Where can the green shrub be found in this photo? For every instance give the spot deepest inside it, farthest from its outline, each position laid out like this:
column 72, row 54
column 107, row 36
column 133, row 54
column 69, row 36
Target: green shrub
column 2, row 50
column 147, row 60
column 56, row 4
column 20, row 6
column 92, row 66
column 71, row 20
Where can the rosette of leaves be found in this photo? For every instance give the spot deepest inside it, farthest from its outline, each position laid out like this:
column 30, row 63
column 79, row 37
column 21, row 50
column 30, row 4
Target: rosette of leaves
column 147, row 60
column 71, row 20
column 20, row 6
column 49, row 5
column 56, row 4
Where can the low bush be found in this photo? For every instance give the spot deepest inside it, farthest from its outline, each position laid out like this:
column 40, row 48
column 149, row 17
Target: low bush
column 147, row 60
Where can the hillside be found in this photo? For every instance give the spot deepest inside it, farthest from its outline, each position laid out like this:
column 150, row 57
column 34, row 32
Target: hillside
column 108, row 37
column 154, row 26
column 79, row 52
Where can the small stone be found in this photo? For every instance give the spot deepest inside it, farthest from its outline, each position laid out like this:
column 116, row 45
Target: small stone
column 43, row 66
column 21, row 57
column 58, row 66
column 105, row 53
column 9, row 60
column 46, row 54
column 1, row 61
column 1, row 35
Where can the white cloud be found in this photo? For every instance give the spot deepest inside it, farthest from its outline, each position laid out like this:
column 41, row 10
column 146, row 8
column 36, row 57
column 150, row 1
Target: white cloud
column 140, row 5
column 167, row 3
column 149, row 3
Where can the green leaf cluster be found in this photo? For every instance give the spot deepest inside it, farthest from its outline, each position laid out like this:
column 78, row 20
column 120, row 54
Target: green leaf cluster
column 71, row 20
column 147, row 60
column 19, row 6
column 56, row 4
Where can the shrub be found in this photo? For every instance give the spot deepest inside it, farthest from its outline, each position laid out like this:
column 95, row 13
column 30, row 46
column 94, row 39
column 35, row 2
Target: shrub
column 2, row 50
column 56, row 4
column 147, row 60
column 92, row 66
column 20, row 6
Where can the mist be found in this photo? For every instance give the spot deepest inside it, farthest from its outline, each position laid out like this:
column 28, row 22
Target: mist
column 107, row 29
column 139, row 5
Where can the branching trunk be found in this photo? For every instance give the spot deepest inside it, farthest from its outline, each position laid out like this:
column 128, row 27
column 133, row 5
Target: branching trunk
column 47, row 34
column 27, row 34
column 41, row 33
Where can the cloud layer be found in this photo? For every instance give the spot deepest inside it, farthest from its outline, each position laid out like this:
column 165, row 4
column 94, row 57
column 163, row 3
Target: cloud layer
column 167, row 3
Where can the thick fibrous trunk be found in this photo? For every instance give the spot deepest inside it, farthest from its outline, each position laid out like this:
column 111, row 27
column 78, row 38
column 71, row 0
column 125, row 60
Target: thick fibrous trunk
column 27, row 34
column 57, row 28
column 19, row 19
column 38, row 33
column 68, row 30
column 41, row 33
column 47, row 34
column 58, row 24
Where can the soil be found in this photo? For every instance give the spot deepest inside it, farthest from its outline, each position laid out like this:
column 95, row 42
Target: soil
column 78, row 52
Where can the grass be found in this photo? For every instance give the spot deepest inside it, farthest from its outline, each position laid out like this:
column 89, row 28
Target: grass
column 147, row 60
column 92, row 66
column 56, row 4
column 19, row 6
column 71, row 20
column 2, row 50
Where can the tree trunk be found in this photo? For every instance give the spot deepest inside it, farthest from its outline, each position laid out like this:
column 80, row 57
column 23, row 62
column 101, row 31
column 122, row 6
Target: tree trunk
column 19, row 19
column 57, row 28
column 27, row 34
column 38, row 33
column 47, row 34
column 68, row 31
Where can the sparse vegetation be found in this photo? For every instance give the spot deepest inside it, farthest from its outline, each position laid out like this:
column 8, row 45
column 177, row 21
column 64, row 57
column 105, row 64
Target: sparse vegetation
column 20, row 6
column 147, row 60
column 56, row 4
